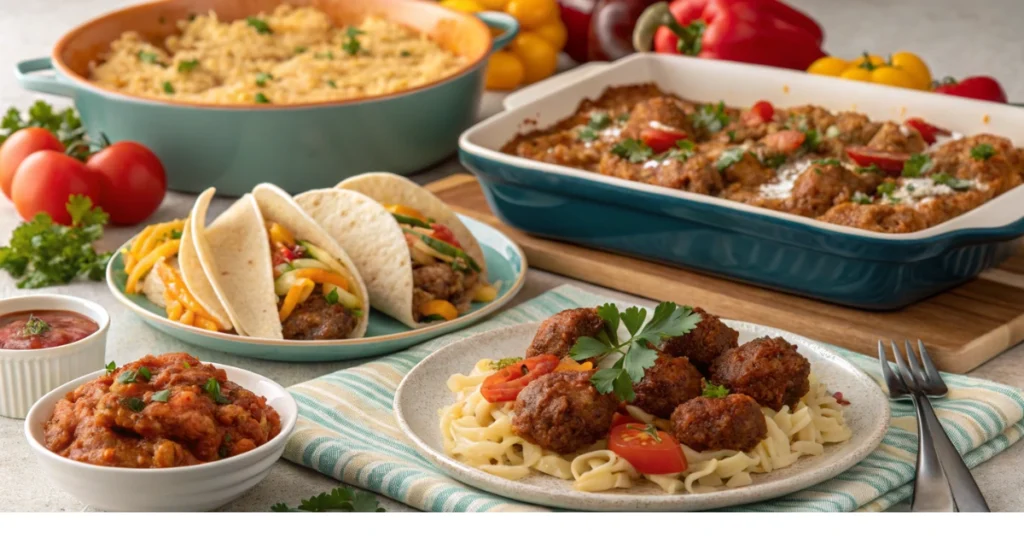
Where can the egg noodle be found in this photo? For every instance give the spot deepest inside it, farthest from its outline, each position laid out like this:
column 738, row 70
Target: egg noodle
column 479, row 433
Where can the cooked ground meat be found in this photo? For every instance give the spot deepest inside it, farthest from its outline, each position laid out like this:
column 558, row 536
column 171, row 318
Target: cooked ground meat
column 559, row 333
column 696, row 174
column 116, row 422
column 897, row 139
column 734, row 422
column 822, row 186
column 658, row 113
column 876, row 218
column 563, row 412
column 670, row 382
column 768, row 370
column 440, row 281
column 316, row 319
column 709, row 339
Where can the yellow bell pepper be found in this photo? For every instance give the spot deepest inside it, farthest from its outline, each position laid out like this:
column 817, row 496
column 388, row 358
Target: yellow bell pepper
column 299, row 292
column 406, row 211
column 278, row 234
column 321, row 276
column 903, row 69
column 438, row 307
column 485, row 293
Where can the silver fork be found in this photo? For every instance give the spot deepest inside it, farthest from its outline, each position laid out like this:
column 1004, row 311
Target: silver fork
column 938, row 459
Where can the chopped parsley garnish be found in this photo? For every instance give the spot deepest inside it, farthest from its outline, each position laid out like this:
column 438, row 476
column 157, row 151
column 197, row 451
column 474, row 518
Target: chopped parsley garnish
column 599, row 120
column 732, row 136
column 168, row 87
column 259, row 25
column 357, row 312
column 711, row 118
column 133, row 404
column 148, row 57
column 917, row 165
column 161, row 396
column 730, row 157
column 861, row 198
column 128, row 377
column 187, row 66
column 668, row 321
column 683, row 151
column 983, row 152
column 586, row 134
column 332, row 297
column 887, row 188
column 870, row 169
column 774, row 161
column 342, row 499
column 712, row 390
column 262, row 78
column 827, row 162
column 351, row 44
column 633, row 150
column 332, row 84
column 34, row 326
column 64, row 124
column 649, row 429
column 186, row 365
column 405, row 54
column 812, row 138
column 952, row 182
column 175, row 234
column 300, row 50
column 144, row 373
column 225, row 449
column 111, row 367
column 321, row 55
column 260, row 98
column 505, row 363
column 212, row 388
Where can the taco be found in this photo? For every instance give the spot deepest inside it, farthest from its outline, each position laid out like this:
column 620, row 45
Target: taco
column 421, row 262
column 163, row 263
column 281, row 276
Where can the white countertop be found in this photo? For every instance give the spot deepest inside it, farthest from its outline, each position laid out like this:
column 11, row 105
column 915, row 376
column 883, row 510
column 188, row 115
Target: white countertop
column 955, row 37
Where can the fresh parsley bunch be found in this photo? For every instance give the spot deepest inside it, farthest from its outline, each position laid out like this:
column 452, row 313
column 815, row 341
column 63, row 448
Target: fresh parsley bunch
column 65, row 124
column 341, row 499
column 635, row 353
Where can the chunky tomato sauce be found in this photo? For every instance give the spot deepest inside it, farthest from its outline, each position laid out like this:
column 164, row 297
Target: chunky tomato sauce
column 39, row 329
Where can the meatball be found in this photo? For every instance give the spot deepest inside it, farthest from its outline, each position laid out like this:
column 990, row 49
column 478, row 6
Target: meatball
column 438, row 279
column 768, row 370
column 697, row 174
column 734, row 422
column 662, row 113
column 897, row 139
column 876, row 217
column 749, row 172
column 822, row 185
column 563, row 412
column 709, row 339
column 670, row 382
column 559, row 333
column 316, row 319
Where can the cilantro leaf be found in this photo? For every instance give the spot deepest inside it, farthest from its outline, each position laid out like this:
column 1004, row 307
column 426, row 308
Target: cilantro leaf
column 187, row 66
column 332, row 297
column 952, row 182
column 827, row 162
column 982, row 152
column 260, row 98
column 633, row 318
column 168, row 87
column 917, row 165
column 623, row 386
column 259, row 25
column 262, row 78
column 127, row 377
column 133, row 404
column 861, row 198
column 638, row 359
column 587, row 347
column 730, row 157
column 148, row 57
column 212, row 388
column 609, row 312
column 586, row 134
column 886, row 188
column 599, row 120
column 111, row 367
column 342, row 499
column 812, row 138
column 64, row 124
column 351, row 44
column 161, row 396
column 633, row 150
column 774, row 161
column 712, row 390
column 604, row 379
column 144, row 373
column 870, row 169
column 34, row 326
column 710, row 117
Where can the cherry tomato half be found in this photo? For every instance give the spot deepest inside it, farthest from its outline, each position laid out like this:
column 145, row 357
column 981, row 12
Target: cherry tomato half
column 46, row 179
column 928, row 131
column 760, row 112
column 785, row 141
column 20, row 145
column 505, row 384
column 135, row 181
column 661, row 140
column 445, row 234
column 647, row 449
column 888, row 161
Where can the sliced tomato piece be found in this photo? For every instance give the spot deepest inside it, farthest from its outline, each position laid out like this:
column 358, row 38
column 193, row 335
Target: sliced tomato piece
column 889, row 162
column 623, row 418
column 785, row 141
column 445, row 234
column 661, row 140
column 648, row 449
column 505, row 384
column 760, row 112
column 927, row 130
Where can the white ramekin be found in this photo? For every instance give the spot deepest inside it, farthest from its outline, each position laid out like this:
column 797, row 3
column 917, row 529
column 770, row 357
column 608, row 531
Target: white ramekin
column 191, row 489
column 26, row 375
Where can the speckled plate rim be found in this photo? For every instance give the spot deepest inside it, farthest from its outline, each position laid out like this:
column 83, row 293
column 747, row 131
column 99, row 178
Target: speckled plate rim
column 871, row 408
column 440, row 328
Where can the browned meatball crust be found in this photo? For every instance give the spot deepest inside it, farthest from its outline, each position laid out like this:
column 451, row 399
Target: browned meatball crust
column 704, row 343
column 670, row 382
column 563, row 412
column 768, row 370
column 558, row 333
column 734, row 422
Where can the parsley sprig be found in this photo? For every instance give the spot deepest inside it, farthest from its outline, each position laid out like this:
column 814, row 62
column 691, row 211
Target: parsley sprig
column 712, row 390
column 341, row 499
column 34, row 326
column 597, row 122
column 212, row 388
column 917, row 165
column 351, row 44
column 259, row 25
column 983, row 152
column 633, row 150
column 668, row 321
column 710, row 117
column 65, row 123
column 730, row 157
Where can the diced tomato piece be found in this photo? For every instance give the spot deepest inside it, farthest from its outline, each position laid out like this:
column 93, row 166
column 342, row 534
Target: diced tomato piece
column 283, row 254
column 888, row 161
column 763, row 110
column 649, row 450
column 785, row 141
column 927, row 130
column 445, row 234
column 505, row 384
column 619, row 419
column 661, row 140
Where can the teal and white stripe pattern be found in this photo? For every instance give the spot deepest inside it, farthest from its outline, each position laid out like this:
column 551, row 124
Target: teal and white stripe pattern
column 346, row 429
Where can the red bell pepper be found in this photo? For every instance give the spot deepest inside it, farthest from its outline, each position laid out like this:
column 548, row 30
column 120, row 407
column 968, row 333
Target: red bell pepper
column 928, row 131
column 984, row 88
column 765, row 32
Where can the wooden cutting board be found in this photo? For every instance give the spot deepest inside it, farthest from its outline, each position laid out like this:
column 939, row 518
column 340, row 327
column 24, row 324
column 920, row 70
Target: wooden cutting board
column 963, row 327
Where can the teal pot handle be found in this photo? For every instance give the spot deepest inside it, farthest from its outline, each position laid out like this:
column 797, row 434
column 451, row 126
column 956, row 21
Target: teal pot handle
column 502, row 21
column 25, row 70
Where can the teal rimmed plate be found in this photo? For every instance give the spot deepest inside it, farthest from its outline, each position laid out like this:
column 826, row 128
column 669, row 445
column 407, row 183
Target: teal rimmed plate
column 506, row 264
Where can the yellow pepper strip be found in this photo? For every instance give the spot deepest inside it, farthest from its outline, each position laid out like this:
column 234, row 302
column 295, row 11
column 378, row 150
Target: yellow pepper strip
column 278, row 234
column 321, row 276
column 165, row 250
column 485, row 293
column 569, row 365
column 160, row 233
column 302, row 288
column 407, row 211
column 441, row 308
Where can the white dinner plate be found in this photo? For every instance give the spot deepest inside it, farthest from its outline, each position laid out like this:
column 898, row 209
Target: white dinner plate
column 424, row 391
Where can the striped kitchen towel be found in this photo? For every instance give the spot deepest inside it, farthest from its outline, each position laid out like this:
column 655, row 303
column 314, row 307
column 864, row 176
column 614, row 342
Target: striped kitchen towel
column 346, row 430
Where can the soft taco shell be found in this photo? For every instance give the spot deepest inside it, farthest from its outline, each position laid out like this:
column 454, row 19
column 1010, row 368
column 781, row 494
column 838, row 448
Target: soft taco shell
column 374, row 240
column 390, row 189
column 191, row 267
column 278, row 206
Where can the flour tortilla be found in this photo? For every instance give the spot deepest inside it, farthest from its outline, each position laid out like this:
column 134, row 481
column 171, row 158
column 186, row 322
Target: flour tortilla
column 390, row 189
column 375, row 241
column 192, row 271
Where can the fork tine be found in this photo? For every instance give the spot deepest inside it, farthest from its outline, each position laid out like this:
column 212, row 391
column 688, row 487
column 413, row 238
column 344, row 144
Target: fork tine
column 929, row 367
column 903, row 368
column 892, row 381
column 915, row 366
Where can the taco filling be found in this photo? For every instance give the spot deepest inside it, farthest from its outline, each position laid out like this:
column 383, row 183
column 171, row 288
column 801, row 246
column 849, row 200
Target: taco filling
column 445, row 279
column 315, row 294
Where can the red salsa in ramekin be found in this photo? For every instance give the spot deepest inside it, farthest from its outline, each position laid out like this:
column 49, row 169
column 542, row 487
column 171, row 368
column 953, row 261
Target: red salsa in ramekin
column 38, row 329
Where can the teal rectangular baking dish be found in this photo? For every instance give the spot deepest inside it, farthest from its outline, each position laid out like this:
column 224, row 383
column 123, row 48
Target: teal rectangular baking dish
column 843, row 265
column 299, row 147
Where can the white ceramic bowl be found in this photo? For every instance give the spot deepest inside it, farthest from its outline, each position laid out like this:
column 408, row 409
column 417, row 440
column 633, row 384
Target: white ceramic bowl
column 192, row 488
column 26, row 375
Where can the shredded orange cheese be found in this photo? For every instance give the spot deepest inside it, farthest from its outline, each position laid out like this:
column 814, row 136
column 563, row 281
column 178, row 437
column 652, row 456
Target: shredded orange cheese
column 181, row 305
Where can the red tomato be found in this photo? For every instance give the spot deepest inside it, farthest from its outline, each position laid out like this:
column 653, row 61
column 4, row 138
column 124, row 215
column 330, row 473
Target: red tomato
column 649, row 450
column 135, row 181
column 20, row 145
column 927, row 130
column 888, row 161
column 785, row 141
column 623, row 418
column 760, row 112
column 46, row 179
column 660, row 140
column 445, row 234
column 505, row 384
